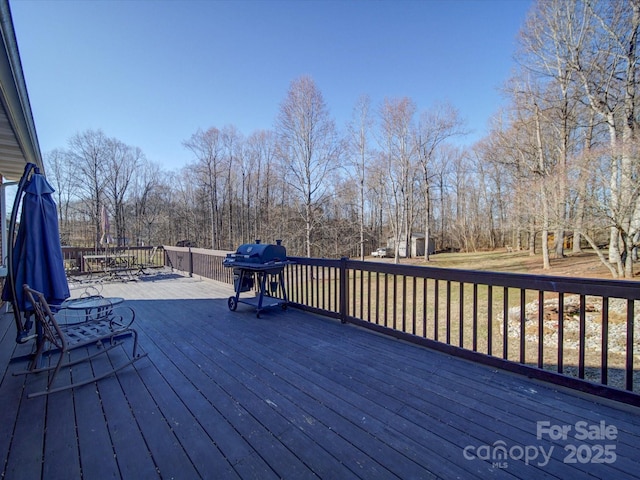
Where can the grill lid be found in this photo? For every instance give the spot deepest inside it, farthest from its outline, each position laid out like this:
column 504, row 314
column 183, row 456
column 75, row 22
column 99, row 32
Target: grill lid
column 257, row 253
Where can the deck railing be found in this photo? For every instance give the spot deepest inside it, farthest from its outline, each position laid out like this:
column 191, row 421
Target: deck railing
column 75, row 264
column 575, row 332
column 199, row 261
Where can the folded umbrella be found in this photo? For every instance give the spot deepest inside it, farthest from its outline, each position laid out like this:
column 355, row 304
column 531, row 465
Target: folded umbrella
column 37, row 258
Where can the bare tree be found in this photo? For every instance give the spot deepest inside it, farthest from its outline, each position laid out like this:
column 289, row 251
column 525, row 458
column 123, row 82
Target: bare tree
column 547, row 39
column 190, row 208
column 511, row 147
column 359, row 131
column 437, row 126
column 605, row 60
column 89, row 152
column 208, row 150
column 497, row 193
column 60, row 172
column 122, row 163
column 399, row 156
column 233, row 154
column 309, row 148
column 147, row 208
column 376, row 198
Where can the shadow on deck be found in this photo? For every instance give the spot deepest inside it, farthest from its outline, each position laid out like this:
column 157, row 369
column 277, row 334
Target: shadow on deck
column 292, row 395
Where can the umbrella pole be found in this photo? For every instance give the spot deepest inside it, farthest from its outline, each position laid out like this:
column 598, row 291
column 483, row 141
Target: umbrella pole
column 23, row 328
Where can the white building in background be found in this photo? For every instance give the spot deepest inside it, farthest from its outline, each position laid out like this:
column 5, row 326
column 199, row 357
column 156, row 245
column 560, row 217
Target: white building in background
column 417, row 245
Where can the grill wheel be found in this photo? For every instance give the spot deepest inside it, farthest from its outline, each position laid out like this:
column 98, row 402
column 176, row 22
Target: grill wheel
column 232, row 303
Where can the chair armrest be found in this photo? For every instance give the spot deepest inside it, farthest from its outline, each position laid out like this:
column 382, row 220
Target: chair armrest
column 122, row 317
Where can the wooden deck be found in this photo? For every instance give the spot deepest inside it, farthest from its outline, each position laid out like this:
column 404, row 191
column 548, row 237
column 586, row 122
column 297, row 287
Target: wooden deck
column 292, row 395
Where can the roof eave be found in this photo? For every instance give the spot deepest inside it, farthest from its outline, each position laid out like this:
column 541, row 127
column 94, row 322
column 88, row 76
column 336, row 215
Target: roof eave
column 15, row 102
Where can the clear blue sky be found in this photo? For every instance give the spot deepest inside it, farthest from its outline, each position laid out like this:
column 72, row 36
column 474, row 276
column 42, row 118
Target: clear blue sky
column 151, row 72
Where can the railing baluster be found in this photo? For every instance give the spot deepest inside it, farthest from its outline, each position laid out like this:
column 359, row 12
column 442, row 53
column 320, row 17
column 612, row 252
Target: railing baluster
column 334, row 289
column 385, row 299
column 361, row 293
column 560, row 332
column 475, row 317
column 581, row 346
column 436, row 309
column 293, row 293
column 323, row 292
column 424, row 307
column 505, row 323
column 344, row 290
column 377, row 298
column 394, row 304
column 292, row 283
column 523, row 322
column 630, row 332
column 404, row 303
column 353, row 288
column 413, row 309
column 540, row 328
column 489, row 319
column 604, row 362
column 315, row 291
column 460, row 316
column 368, row 295
column 448, row 319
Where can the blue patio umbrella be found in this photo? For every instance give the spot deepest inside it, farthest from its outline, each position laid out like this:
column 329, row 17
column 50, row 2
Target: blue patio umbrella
column 37, row 254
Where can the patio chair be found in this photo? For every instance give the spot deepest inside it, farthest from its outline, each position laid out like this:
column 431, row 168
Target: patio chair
column 103, row 332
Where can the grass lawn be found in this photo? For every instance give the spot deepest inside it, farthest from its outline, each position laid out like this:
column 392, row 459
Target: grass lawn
column 585, row 264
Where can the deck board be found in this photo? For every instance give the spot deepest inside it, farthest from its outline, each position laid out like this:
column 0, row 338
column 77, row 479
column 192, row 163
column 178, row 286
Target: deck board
column 124, row 431
column 289, row 395
column 64, row 446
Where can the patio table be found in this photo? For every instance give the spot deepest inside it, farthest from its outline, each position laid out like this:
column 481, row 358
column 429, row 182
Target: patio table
column 111, row 264
column 100, row 306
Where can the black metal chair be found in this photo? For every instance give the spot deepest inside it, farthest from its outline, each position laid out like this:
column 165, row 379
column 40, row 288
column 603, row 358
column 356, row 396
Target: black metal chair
column 104, row 332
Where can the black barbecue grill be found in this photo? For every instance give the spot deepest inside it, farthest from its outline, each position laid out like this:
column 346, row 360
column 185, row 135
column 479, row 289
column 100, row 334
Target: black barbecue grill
column 258, row 265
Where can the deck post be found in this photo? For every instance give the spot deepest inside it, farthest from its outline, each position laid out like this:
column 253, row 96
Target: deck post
column 343, row 289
